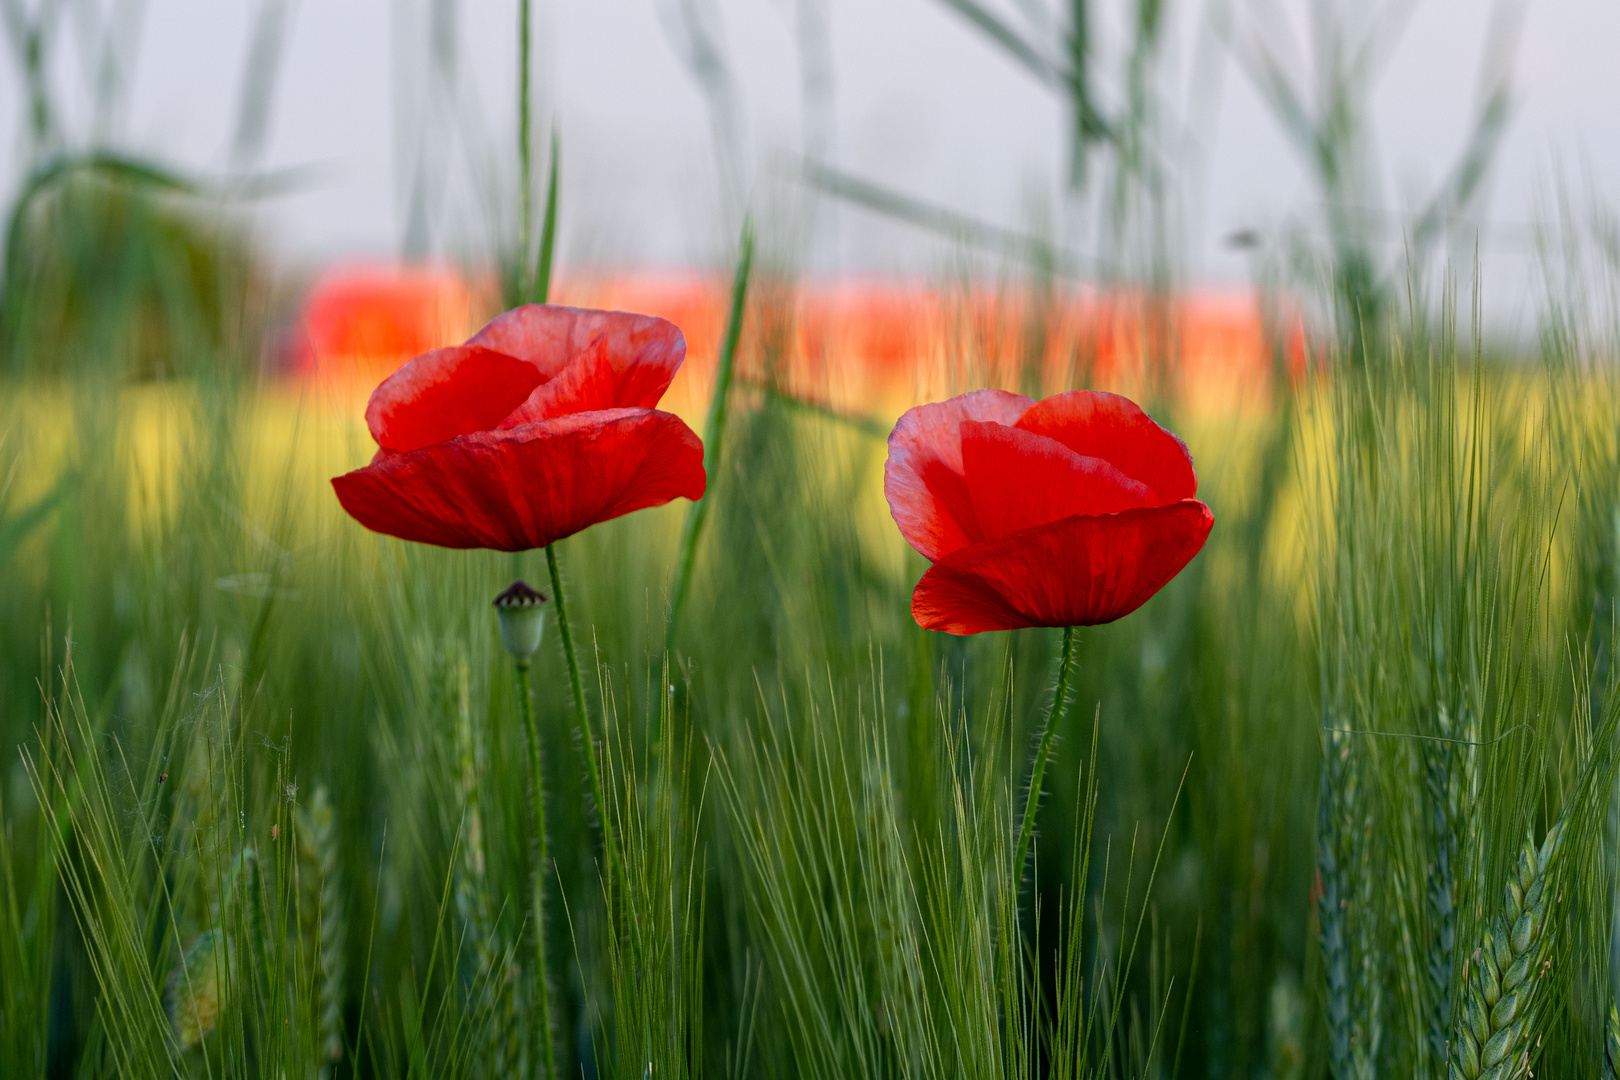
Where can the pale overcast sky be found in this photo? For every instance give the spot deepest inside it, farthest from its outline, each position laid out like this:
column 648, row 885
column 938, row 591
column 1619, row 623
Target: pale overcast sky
column 919, row 100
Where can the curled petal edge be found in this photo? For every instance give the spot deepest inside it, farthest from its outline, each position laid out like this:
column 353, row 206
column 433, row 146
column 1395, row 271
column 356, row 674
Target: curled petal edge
column 1083, row 570
column 463, row 493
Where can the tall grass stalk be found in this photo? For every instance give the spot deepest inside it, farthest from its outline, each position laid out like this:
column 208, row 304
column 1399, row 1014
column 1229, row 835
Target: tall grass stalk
column 714, row 430
column 527, row 280
column 654, row 949
column 1444, row 782
column 324, row 923
column 540, row 293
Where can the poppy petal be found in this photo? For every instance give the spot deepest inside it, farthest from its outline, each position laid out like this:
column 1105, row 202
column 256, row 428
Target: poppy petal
column 1107, row 426
column 525, row 487
column 1080, row 571
column 445, row 393
column 585, row 385
column 1018, row 480
column 643, row 351
column 923, row 481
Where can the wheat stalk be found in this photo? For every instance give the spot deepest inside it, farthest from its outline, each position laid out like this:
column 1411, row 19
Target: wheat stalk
column 1491, row 1038
column 1444, row 789
column 472, row 903
column 495, row 980
column 1347, row 1042
column 318, row 848
column 1369, row 989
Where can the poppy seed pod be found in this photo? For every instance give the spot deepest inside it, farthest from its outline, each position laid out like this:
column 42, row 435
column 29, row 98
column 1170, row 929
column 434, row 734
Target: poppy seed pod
column 522, row 614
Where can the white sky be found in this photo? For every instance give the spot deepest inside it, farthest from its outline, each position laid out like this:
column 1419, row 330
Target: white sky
column 920, row 102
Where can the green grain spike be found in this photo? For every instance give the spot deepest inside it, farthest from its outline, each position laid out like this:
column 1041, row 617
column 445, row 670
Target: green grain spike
column 1498, row 1019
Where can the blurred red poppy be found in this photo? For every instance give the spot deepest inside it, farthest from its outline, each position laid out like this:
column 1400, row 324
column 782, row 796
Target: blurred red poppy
column 539, row 426
column 1070, row 511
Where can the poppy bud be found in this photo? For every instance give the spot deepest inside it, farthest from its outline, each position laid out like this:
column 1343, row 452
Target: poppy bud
column 522, row 618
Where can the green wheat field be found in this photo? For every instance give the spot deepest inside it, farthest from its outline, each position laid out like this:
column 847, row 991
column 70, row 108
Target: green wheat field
column 1340, row 801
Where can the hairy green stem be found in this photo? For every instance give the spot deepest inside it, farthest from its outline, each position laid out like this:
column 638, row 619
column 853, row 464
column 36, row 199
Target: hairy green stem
column 714, row 429
column 543, row 975
column 582, row 716
column 1053, row 717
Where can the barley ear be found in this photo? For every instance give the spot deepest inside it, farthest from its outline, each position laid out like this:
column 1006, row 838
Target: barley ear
column 1495, row 1029
column 1331, row 907
column 1443, row 782
column 1348, row 916
column 196, row 988
column 496, row 978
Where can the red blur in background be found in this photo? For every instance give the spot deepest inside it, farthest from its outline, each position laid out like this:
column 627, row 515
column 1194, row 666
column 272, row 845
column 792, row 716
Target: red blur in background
column 360, row 322
column 873, row 347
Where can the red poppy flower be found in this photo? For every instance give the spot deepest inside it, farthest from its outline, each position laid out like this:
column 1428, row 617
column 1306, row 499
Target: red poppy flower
column 541, row 425
column 1070, row 511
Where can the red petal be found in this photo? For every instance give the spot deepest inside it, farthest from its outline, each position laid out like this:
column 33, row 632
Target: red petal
column 586, row 385
column 1113, row 428
column 643, row 352
column 445, row 393
column 525, row 487
column 923, row 481
column 1080, row 571
column 1018, row 480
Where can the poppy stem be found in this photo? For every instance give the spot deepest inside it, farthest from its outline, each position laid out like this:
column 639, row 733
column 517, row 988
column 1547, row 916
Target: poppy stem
column 1053, row 717
column 526, row 700
column 582, row 716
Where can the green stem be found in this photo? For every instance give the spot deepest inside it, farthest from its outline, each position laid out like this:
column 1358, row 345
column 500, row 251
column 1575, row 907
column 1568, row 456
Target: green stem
column 548, row 227
column 1053, row 717
column 525, row 152
column 587, row 742
column 714, row 429
column 526, row 700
